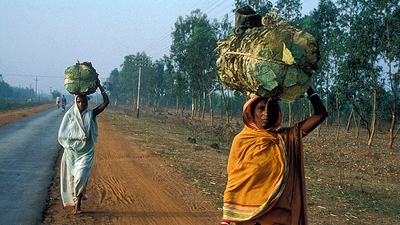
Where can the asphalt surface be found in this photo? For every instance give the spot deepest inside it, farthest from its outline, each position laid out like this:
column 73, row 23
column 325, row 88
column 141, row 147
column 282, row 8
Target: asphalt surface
column 28, row 154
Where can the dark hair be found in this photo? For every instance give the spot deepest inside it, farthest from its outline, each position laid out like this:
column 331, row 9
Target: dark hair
column 83, row 97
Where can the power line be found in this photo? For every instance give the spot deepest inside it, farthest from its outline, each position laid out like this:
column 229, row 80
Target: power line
column 163, row 38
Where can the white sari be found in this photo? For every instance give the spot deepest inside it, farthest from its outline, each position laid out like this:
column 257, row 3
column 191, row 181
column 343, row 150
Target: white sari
column 77, row 135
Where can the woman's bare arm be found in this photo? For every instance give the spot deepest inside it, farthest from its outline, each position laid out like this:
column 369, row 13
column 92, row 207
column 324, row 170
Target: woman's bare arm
column 106, row 101
column 320, row 113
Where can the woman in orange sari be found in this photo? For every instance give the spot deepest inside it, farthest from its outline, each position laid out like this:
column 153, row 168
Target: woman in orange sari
column 265, row 166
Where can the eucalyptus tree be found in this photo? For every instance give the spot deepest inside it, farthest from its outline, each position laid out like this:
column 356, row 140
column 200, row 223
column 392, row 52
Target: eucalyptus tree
column 222, row 32
column 389, row 40
column 192, row 49
column 112, row 86
column 202, row 58
column 155, row 83
column 289, row 10
column 5, row 89
column 134, row 76
column 360, row 71
column 175, row 83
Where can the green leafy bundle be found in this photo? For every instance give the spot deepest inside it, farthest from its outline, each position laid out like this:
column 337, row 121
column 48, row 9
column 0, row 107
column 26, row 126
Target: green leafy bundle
column 81, row 79
column 272, row 60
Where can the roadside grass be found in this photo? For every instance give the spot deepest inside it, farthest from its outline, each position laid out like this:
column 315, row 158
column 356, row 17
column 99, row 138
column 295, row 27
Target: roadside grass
column 345, row 184
column 9, row 104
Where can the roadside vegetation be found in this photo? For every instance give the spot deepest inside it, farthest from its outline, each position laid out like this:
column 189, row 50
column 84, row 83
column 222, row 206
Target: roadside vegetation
column 11, row 104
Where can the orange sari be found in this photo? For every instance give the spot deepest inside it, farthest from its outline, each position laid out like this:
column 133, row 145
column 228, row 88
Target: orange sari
column 265, row 176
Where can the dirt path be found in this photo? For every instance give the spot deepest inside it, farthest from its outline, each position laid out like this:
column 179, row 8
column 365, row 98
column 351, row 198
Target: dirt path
column 131, row 187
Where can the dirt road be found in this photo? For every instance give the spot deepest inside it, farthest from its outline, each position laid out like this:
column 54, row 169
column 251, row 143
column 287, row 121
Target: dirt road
column 132, row 187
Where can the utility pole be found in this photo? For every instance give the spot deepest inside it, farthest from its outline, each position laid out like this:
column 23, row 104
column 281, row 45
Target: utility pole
column 138, row 90
column 36, row 80
column 140, row 61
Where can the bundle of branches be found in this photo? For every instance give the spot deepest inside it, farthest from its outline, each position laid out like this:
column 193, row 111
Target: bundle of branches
column 267, row 58
column 81, row 78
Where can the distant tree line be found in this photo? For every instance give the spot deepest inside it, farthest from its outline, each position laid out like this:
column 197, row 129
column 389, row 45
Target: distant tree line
column 15, row 93
column 358, row 77
column 17, row 97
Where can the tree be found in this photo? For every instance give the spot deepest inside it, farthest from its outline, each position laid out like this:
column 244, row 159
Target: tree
column 389, row 41
column 175, row 83
column 5, row 89
column 359, row 72
column 223, row 31
column 192, row 50
column 289, row 10
column 129, row 77
column 55, row 94
column 203, row 61
column 156, row 82
column 367, row 27
column 112, row 86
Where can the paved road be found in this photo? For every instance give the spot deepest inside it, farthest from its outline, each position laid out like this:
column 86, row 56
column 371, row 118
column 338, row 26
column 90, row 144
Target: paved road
column 28, row 153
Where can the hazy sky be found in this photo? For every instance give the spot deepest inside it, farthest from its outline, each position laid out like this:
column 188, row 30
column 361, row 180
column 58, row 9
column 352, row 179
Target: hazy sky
column 39, row 39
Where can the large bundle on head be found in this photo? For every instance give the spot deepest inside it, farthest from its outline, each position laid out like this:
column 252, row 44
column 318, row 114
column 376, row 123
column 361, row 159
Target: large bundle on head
column 81, row 78
column 267, row 58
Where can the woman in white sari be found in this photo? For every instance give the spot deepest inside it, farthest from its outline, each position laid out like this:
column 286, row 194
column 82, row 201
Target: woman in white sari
column 77, row 134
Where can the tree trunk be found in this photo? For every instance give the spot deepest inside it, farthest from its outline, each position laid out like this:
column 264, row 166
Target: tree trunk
column 358, row 128
column 225, row 105
column 338, row 121
column 326, row 104
column 393, row 84
column 391, row 131
column 203, row 111
column 177, row 104
column 349, row 119
column 373, row 119
column 211, row 108
column 199, row 105
column 193, row 104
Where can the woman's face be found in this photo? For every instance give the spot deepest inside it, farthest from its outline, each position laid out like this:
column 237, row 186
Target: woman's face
column 82, row 103
column 265, row 114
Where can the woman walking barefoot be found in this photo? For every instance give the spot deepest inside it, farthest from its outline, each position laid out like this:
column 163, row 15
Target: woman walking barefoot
column 77, row 134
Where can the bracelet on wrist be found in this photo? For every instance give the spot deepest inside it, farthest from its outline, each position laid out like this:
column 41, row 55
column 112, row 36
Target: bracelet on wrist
column 313, row 94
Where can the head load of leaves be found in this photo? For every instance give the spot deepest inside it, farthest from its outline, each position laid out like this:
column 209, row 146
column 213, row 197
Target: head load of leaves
column 266, row 57
column 80, row 79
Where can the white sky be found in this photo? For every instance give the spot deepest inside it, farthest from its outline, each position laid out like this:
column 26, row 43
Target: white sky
column 41, row 38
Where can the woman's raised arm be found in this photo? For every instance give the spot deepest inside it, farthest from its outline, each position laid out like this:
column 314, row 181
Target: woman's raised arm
column 106, row 101
column 320, row 113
